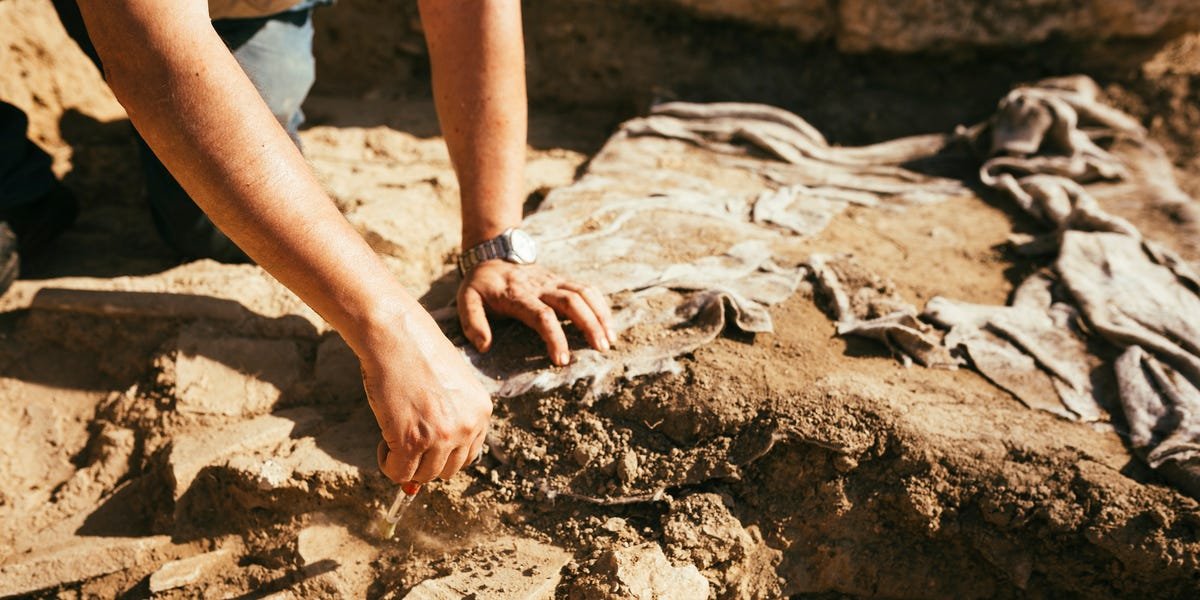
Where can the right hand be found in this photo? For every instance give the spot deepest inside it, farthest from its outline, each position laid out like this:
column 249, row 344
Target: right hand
column 432, row 411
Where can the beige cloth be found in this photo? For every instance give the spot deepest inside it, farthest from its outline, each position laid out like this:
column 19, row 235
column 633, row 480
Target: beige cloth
column 689, row 229
column 241, row 9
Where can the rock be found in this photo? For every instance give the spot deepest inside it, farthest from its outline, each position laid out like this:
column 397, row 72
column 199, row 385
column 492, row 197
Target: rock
column 532, row 573
column 337, row 370
column 232, row 376
column 862, row 25
column 77, row 559
column 193, row 451
column 644, row 572
column 332, row 464
column 808, row 19
column 325, row 541
column 939, row 24
column 388, row 226
column 701, row 530
column 186, row 571
column 627, row 467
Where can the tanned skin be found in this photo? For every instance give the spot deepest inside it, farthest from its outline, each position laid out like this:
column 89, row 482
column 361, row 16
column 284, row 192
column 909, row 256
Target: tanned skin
column 195, row 107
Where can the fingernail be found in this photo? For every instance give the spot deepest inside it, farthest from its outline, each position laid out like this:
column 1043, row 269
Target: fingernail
column 603, row 345
column 564, row 359
column 612, row 336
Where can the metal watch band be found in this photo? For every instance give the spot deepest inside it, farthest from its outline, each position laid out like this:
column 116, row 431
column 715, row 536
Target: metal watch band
column 496, row 247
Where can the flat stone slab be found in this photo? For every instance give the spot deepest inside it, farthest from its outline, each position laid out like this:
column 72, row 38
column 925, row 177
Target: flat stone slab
column 233, row 376
column 78, row 559
column 643, row 572
column 532, row 573
column 186, row 571
column 192, row 452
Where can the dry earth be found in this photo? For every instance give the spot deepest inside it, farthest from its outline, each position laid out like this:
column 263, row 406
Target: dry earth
column 192, row 430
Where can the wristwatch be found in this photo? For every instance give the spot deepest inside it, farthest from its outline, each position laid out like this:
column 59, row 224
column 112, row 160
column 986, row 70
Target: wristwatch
column 513, row 245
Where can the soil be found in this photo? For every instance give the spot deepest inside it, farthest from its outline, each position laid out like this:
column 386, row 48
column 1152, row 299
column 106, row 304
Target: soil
column 787, row 464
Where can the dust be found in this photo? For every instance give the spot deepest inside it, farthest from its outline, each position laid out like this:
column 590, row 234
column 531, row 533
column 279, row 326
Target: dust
column 780, row 464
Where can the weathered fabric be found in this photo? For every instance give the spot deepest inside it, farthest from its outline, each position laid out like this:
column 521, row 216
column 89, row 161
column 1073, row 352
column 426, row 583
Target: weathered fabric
column 1163, row 411
column 1033, row 348
column 1133, row 293
column 689, row 217
column 684, row 223
column 865, row 305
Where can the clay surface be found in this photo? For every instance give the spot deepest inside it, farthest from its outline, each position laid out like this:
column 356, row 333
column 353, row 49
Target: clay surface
column 774, row 464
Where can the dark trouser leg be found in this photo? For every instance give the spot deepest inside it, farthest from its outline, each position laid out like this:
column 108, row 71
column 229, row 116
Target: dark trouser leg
column 25, row 173
column 276, row 54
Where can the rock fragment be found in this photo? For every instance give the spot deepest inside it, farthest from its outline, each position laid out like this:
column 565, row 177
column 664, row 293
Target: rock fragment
column 232, row 376
column 643, row 572
column 186, row 571
column 532, row 573
column 77, row 559
column 190, row 453
column 627, row 467
column 701, row 530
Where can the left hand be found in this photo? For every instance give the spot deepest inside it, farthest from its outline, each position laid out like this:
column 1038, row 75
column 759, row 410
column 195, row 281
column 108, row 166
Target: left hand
column 538, row 298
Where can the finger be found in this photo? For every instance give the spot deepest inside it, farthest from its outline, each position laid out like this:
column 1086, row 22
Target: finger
column 581, row 314
column 542, row 319
column 456, row 461
column 396, row 465
column 432, row 463
column 474, row 319
column 599, row 304
column 477, row 446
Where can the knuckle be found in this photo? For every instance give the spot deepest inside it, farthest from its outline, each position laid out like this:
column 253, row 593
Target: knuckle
column 418, row 440
column 547, row 315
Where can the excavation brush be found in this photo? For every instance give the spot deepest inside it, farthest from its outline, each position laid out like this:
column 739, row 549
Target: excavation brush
column 384, row 527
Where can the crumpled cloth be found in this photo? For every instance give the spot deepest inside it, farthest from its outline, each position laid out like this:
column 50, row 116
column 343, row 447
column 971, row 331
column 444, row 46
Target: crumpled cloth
column 690, row 220
column 1034, row 348
column 1163, row 411
column 865, row 305
column 1041, row 151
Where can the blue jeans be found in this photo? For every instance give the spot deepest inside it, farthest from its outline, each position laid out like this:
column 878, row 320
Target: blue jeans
column 276, row 54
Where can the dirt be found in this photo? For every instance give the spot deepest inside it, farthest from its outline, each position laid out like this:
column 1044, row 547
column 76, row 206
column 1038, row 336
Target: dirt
column 787, row 464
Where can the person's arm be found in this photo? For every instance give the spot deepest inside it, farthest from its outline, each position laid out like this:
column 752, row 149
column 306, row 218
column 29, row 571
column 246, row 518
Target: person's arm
column 203, row 118
column 478, row 60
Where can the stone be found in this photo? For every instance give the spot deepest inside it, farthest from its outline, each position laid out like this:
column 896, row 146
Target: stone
column 701, row 530
column 808, row 19
column 191, row 452
column 643, row 572
column 335, row 462
column 232, row 376
column 917, row 25
column 337, row 369
column 326, row 540
column 186, row 571
column 392, row 224
column 532, row 573
column 627, row 467
column 77, row 559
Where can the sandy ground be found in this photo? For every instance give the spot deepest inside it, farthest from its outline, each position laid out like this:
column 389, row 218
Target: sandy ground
column 193, row 430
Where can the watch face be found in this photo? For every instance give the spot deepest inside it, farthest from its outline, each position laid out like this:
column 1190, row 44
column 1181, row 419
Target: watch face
column 524, row 248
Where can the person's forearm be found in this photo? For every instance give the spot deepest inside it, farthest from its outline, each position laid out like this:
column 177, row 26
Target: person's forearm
column 478, row 61
column 201, row 115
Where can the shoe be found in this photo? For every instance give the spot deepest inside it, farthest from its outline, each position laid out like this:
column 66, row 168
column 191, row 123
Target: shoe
column 28, row 229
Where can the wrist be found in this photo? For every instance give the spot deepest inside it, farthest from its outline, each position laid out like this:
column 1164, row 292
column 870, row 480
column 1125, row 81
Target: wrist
column 473, row 236
column 386, row 328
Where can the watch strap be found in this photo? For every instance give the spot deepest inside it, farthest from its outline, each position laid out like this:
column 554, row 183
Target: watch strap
column 497, row 247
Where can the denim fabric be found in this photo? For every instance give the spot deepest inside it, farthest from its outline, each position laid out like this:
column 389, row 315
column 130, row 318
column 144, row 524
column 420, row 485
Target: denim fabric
column 276, row 54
